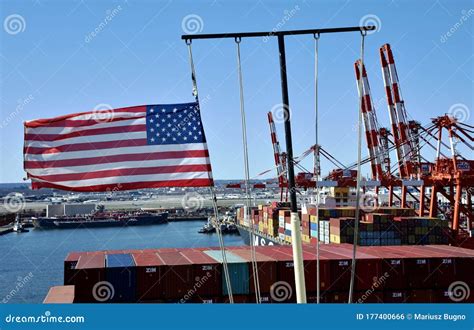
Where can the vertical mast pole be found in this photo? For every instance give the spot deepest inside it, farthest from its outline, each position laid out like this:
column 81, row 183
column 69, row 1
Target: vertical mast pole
column 295, row 221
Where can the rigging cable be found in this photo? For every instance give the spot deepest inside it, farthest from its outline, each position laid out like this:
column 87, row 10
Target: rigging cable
column 317, row 163
column 359, row 177
column 212, row 190
column 248, row 197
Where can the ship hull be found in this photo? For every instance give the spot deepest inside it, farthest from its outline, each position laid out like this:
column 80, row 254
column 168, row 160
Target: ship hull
column 258, row 239
column 54, row 223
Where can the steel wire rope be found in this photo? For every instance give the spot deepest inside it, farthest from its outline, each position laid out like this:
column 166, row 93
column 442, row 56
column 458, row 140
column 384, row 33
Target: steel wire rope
column 359, row 176
column 248, row 196
column 211, row 189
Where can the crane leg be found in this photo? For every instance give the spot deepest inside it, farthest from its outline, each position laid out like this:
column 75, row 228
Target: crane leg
column 421, row 211
column 433, row 202
column 457, row 203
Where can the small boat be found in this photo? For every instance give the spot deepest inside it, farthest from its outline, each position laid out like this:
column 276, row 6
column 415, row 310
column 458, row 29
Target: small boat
column 18, row 226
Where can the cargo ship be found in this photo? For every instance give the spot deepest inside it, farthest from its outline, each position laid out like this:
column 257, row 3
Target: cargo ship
column 101, row 220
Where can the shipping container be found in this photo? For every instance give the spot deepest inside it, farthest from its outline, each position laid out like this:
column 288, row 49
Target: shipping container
column 90, row 270
column 121, row 274
column 238, row 272
column 417, row 268
column 149, row 286
column 176, row 275
column 69, row 266
column 60, row 295
column 207, row 273
column 266, row 266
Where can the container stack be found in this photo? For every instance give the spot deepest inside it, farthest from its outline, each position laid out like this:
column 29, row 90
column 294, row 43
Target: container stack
column 422, row 230
column 398, row 274
column 378, row 229
column 385, row 226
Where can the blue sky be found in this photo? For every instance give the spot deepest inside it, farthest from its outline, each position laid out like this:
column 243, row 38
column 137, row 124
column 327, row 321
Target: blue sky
column 51, row 65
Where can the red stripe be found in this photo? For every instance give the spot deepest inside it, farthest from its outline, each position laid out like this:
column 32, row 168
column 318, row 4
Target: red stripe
column 124, row 172
column 86, row 132
column 128, row 186
column 86, row 146
column 88, row 122
column 53, row 122
column 117, row 158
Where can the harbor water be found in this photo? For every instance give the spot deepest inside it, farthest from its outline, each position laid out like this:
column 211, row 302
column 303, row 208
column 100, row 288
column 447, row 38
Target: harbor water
column 32, row 262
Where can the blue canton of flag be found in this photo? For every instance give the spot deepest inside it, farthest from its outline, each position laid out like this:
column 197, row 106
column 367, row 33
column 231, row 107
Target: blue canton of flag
column 174, row 124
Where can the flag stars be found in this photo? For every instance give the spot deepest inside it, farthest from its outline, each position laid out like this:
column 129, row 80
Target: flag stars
column 174, row 124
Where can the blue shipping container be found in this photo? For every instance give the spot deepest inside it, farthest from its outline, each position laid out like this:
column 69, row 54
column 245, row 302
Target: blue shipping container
column 120, row 273
column 238, row 272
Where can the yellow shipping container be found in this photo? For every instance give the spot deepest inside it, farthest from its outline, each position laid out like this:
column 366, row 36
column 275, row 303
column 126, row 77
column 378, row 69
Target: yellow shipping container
column 306, row 238
column 335, row 239
column 313, row 219
column 260, row 226
column 260, row 206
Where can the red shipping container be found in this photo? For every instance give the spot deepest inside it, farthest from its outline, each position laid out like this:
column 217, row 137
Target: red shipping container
column 392, row 267
column 368, row 267
column 420, row 296
column 207, row 274
column 335, row 297
column 70, row 265
column 417, row 269
column 90, row 270
column 394, row 296
column 148, row 269
column 285, row 268
column 368, row 297
column 60, row 295
column 443, row 267
column 176, row 275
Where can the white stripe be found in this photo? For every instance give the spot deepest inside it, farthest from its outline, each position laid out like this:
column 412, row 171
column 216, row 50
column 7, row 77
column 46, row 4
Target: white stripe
column 65, row 130
column 118, row 165
column 133, row 178
column 107, row 115
column 116, row 151
column 87, row 139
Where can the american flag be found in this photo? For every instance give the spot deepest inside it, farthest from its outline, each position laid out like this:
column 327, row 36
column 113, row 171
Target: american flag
column 146, row 146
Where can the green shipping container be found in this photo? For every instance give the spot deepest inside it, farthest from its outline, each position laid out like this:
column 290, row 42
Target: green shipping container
column 238, row 272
